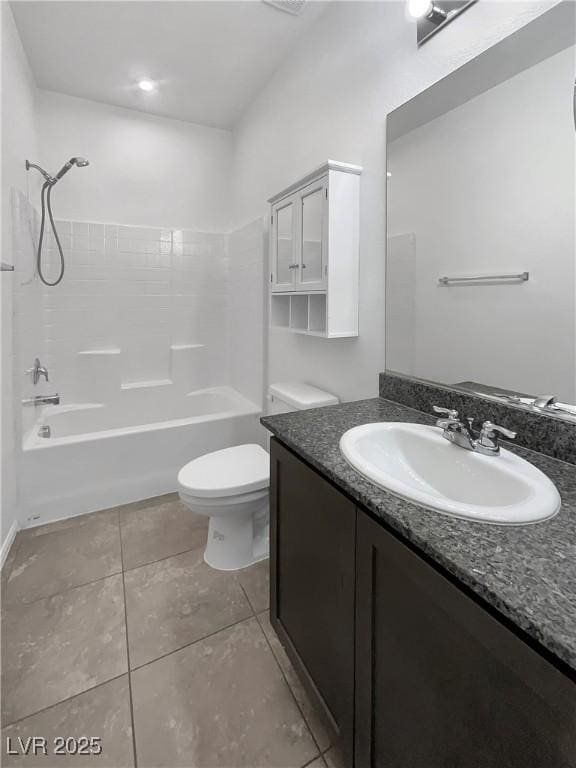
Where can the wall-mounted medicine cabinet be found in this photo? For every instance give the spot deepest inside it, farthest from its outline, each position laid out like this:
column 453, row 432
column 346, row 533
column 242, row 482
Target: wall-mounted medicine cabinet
column 314, row 253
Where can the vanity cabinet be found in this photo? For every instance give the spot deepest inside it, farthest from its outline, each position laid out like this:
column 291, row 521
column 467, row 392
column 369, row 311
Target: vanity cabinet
column 312, row 563
column 314, row 253
column 439, row 681
column 431, row 678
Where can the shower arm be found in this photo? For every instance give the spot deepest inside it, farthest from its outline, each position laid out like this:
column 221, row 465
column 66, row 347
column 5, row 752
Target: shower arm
column 49, row 179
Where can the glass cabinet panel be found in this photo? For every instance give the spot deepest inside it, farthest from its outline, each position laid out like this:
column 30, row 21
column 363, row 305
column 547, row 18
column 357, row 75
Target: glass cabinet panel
column 285, row 245
column 312, row 236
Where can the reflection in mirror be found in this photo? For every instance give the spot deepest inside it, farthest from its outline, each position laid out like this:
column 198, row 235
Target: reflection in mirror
column 481, row 267
column 284, row 234
column 312, row 236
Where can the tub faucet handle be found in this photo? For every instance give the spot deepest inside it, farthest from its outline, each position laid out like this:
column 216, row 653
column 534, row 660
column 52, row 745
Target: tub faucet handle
column 37, row 371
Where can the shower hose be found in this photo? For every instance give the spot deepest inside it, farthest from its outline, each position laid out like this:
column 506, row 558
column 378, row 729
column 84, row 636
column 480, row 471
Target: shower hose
column 46, row 204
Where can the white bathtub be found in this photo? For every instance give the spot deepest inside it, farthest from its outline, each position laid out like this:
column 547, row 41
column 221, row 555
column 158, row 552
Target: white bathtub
column 101, row 455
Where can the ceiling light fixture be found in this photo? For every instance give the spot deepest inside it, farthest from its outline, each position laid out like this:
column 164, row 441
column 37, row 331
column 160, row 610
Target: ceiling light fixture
column 433, row 15
column 420, row 9
column 146, row 85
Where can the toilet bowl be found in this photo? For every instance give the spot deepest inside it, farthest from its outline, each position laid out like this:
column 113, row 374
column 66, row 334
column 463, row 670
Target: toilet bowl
column 231, row 487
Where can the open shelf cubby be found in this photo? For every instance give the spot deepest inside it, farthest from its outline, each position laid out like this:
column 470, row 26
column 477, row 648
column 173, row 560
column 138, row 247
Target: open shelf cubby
column 300, row 312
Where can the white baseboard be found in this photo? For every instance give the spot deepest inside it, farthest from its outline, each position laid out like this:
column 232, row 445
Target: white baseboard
column 7, row 543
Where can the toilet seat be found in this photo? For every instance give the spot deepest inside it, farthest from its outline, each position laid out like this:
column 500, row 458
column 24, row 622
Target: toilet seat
column 223, row 505
column 232, row 472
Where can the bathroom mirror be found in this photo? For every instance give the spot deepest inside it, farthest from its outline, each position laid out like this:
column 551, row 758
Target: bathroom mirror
column 481, row 262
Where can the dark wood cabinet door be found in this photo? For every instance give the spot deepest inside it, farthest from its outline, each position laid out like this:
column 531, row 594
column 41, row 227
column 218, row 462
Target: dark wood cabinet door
column 312, row 574
column 441, row 683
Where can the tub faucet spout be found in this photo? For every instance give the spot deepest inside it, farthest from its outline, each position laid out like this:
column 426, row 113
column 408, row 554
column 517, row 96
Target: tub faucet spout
column 42, row 400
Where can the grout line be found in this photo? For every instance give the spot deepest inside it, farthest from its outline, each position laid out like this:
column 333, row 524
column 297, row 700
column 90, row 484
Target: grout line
column 63, row 701
column 318, row 757
column 299, row 708
column 247, row 599
column 131, row 699
column 23, row 603
column 150, row 502
column 193, row 642
column 166, row 557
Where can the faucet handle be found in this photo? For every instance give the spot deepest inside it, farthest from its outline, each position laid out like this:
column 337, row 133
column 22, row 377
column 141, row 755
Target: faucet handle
column 489, row 435
column 448, row 412
column 38, row 370
column 450, row 419
column 490, row 430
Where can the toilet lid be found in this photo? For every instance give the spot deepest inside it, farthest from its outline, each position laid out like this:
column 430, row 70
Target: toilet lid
column 241, row 469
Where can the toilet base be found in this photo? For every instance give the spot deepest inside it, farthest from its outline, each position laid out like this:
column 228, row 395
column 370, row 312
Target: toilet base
column 239, row 540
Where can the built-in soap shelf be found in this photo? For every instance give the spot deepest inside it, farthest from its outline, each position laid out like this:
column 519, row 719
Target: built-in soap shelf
column 100, row 352
column 147, row 384
column 101, row 371
column 185, row 347
column 304, row 313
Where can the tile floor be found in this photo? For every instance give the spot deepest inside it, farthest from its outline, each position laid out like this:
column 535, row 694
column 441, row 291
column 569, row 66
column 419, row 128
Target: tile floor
column 114, row 627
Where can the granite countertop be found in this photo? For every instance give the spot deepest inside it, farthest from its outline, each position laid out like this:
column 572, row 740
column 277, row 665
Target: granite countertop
column 528, row 573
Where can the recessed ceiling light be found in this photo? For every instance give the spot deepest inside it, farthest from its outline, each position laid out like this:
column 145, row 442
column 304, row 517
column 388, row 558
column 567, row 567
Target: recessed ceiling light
column 146, row 85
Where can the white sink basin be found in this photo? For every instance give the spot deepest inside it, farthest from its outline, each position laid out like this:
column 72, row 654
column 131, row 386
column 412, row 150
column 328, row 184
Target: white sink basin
column 418, row 464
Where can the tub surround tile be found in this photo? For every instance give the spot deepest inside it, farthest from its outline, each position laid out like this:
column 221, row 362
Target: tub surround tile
column 255, row 581
column 64, row 557
column 103, row 711
column 108, row 261
column 61, row 646
column 538, row 432
column 177, row 601
column 221, row 702
column 311, row 715
column 158, row 528
column 527, row 573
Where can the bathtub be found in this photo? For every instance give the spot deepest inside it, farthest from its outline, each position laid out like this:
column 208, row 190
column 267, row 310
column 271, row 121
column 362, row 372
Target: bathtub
column 101, row 455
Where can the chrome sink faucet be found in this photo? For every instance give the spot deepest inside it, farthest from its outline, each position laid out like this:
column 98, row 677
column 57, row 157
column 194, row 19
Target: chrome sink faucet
column 486, row 441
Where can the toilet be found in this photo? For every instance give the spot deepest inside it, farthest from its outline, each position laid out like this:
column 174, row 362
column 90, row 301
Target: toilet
column 230, row 487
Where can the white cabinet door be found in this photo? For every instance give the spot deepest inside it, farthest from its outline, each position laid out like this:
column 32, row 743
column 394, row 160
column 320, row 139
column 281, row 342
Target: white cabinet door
column 314, row 252
column 284, row 242
column 312, row 219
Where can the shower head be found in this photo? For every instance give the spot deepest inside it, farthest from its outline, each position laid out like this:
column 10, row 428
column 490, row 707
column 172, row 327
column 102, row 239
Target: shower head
column 79, row 161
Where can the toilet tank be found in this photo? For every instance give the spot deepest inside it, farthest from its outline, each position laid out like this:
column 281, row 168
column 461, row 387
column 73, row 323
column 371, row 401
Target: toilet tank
column 297, row 396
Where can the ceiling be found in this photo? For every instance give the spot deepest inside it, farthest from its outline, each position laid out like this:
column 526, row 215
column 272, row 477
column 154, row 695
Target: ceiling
column 209, row 57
